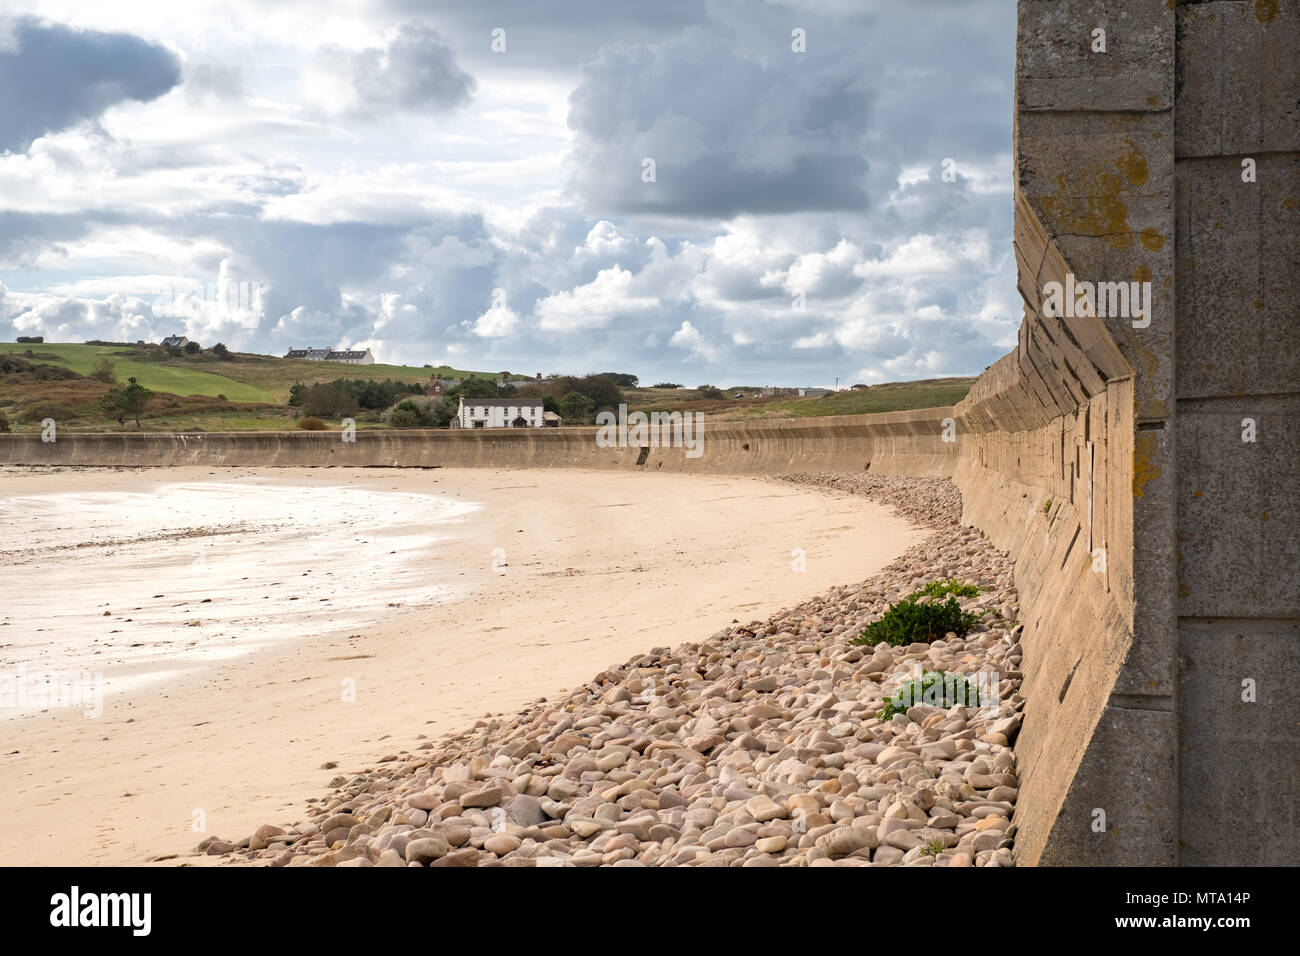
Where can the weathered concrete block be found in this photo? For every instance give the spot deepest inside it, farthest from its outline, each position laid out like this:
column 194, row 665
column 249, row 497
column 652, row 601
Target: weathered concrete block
column 1122, row 804
column 1238, row 286
column 1237, row 78
column 1237, row 761
column 1056, row 68
column 1239, row 510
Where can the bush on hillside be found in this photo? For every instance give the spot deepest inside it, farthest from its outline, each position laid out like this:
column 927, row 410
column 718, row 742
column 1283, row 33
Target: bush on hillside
column 39, row 411
column 104, row 372
column 310, row 424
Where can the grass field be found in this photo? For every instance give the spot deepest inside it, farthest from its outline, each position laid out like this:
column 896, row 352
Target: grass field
column 176, row 377
column 888, row 397
column 251, row 378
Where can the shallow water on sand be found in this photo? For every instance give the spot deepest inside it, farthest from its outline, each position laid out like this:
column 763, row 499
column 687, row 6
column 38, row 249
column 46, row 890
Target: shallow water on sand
column 140, row 586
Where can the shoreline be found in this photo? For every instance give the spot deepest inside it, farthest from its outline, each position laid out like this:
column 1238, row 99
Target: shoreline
column 599, row 565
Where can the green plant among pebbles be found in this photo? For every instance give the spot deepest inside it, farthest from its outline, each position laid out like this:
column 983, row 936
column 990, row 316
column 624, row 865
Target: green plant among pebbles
column 936, row 688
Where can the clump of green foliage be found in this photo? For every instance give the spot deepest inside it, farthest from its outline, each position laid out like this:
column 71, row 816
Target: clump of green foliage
column 1047, row 506
column 921, row 617
column 934, row 848
column 938, row 589
column 936, row 688
column 310, row 424
column 911, row 622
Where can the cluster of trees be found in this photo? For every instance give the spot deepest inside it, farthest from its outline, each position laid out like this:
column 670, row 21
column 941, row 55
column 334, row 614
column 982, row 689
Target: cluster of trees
column 32, row 339
column 343, row 397
column 421, row 411
column 578, row 399
column 126, row 401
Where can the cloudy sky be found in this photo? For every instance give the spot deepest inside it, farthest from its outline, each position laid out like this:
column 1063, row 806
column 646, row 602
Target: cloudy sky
column 663, row 187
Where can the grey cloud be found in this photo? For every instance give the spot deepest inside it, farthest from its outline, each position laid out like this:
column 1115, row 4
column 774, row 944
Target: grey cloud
column 57, row 77
column 552, row 37
column 728, row 135
column 417, row 72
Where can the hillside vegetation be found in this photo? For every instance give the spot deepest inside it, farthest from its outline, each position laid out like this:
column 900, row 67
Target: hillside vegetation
column 887, row 397
column 248, row 378
column 209, row 391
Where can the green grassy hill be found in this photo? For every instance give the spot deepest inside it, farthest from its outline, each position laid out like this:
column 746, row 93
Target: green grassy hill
column 250, row 378
column 886, row 397
column 176, row 376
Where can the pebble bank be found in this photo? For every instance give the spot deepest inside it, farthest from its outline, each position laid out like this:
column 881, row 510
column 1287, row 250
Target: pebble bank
column 759, row 746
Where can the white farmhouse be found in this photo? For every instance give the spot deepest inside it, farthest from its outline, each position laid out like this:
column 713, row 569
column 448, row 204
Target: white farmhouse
column 500, row 413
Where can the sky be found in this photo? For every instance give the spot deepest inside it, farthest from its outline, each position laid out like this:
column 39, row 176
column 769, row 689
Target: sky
column 725, row 192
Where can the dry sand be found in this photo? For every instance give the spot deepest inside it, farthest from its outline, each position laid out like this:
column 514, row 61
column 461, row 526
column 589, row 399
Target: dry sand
column 596, row 567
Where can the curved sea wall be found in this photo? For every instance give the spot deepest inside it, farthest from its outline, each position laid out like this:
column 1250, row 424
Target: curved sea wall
column 896, row 443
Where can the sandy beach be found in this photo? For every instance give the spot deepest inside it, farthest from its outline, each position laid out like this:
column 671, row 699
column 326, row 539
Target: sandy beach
column 346, row 615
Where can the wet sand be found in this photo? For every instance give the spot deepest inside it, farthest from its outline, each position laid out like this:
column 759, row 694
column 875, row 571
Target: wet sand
column 425, row 599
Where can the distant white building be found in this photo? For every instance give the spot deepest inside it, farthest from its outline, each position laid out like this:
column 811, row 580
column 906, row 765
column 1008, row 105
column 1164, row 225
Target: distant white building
column 347, row 356
column 175, row 341
column 500, row 413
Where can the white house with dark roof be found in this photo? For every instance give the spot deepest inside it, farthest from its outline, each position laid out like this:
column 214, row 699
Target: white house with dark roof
column 500, row 413
column 175, row 341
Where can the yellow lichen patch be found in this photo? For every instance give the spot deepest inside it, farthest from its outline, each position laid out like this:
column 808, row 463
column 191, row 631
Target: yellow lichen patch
column 1134, row 165
column 1090, row 206
column 1183, row 590
column 1196, row 493
column 1265, row 10
column 1153, row 100
column 1141, row 274
column 1144, row 468
column 1152, row 239
column 1258, row 303
column 1290, row 202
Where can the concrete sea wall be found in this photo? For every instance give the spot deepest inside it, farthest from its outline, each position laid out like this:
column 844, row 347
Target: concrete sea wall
column 900, row 442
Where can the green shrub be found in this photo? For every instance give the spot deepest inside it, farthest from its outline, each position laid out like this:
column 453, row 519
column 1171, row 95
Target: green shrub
column 938, row 589
column 911, row 622
column 4, row 423
column 936, row 688
column 420, row 411
column 310, row 424
column 104, row 372
column 404, row 418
